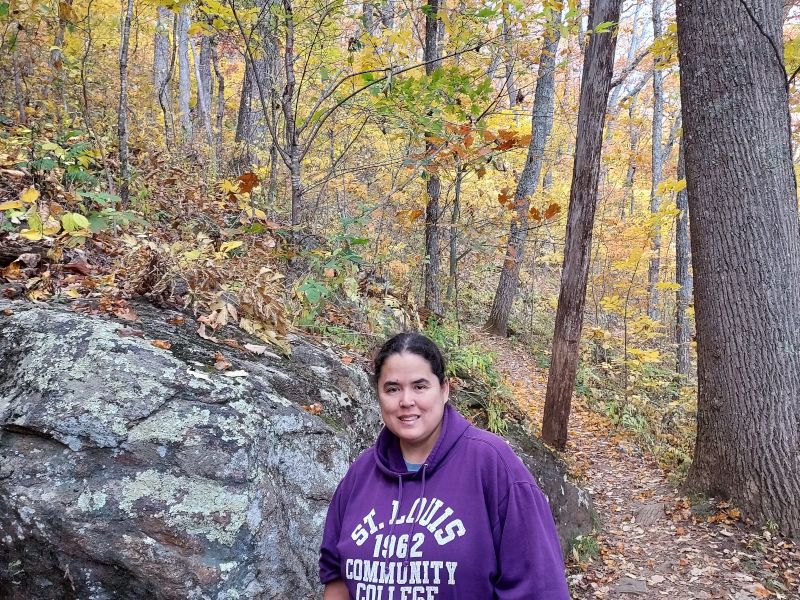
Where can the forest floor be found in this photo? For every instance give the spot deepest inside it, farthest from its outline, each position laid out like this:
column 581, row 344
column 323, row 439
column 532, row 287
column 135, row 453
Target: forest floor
column 653, row 541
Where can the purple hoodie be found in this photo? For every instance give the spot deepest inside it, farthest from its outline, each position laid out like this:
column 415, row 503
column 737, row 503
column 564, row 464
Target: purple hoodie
column 471, row 524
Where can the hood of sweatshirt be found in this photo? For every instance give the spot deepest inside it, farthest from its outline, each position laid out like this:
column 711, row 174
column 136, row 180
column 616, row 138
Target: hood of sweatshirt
column 389, row 456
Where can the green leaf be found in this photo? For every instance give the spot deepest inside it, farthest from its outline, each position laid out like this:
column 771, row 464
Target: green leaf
column 604, row 27
column 3, row 9
column 486, row 12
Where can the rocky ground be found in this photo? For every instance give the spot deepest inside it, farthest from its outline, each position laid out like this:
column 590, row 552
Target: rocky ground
column 652, row 541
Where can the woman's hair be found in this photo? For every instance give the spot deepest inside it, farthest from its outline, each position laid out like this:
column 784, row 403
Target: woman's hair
column 415, row 343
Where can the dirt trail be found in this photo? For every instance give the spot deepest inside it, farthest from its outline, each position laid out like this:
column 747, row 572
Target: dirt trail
column 652, row 542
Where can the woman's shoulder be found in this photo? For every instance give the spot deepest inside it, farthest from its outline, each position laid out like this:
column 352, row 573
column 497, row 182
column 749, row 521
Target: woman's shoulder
column 486, row 446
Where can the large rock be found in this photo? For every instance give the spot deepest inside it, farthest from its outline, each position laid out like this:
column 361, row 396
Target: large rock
column 131, row 471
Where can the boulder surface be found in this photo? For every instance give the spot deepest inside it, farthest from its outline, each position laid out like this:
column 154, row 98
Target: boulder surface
column 129, row 470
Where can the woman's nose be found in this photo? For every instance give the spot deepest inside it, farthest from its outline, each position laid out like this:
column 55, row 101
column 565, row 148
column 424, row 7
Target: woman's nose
column 406, row 399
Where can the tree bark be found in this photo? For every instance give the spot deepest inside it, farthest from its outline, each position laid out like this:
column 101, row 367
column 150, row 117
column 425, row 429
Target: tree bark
column 162, row 73
column 633, row 131
column 184, row 76
column 683, row 294
column 387, row 14
column 205, row 83
column 204, row 107
column 745, row 255
column 122, row 110
column 293, row 149
column 432, row 55
column 657, row 171
column 598, row 68
column 541, row 125
column 220, row 111
column 508, row 43
column 455, row 217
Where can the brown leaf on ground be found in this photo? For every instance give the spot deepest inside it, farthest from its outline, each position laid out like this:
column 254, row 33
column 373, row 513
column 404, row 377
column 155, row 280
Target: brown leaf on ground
column 220, row 362
column 129, row 332
column 126, row 313
column 163, row 344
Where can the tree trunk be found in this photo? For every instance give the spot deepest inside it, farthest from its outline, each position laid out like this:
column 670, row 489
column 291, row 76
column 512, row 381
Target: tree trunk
column 202, row 102
column 598, row 68
column 657, row 171
column 205, row 84
column 220, row 112
column 508, row 43
column 454, row 219
column 387, row 14
column 184, row 76
column 122, row 110
column 633, row 130
column 19, row 95
column 368, row 13
column 57, row 54
column 432, row 57
column 682, row 296
column 293, row 149
column 162, row 72
column 541, row 124
column 745, row 256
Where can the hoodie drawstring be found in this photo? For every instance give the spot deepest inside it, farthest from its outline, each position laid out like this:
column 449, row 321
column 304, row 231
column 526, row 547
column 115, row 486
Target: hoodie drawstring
column 399, row 504
column 416, row 517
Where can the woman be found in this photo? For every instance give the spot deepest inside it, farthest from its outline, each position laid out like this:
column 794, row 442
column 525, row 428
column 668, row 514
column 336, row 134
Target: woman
column 437, row 509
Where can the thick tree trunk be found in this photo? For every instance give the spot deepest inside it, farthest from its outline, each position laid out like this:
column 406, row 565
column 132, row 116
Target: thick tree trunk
column 122, row 110
column 598, row 66
column 657, row 171
column 683, row 294
column 541, row 125
column 745, row 255
column 184, row 76
column 431, row 55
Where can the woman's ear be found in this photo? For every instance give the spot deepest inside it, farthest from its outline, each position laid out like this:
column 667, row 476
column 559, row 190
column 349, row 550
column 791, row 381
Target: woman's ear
column 446, row 390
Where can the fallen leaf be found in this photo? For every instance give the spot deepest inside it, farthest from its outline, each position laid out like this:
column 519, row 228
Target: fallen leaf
column 314, row 409
column 126, row 313
column 220, row 362
column 163, row 344
column 29, row 196
column 129, row 332
column 79, row 265
column 232, row 344
column 201, row 331
column 255, row 349
column 8, row 312
column 347, row 359
column 177, row 321
column 759, row 590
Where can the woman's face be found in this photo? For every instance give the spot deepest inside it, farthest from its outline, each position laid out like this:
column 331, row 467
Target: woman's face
column 412, row 403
